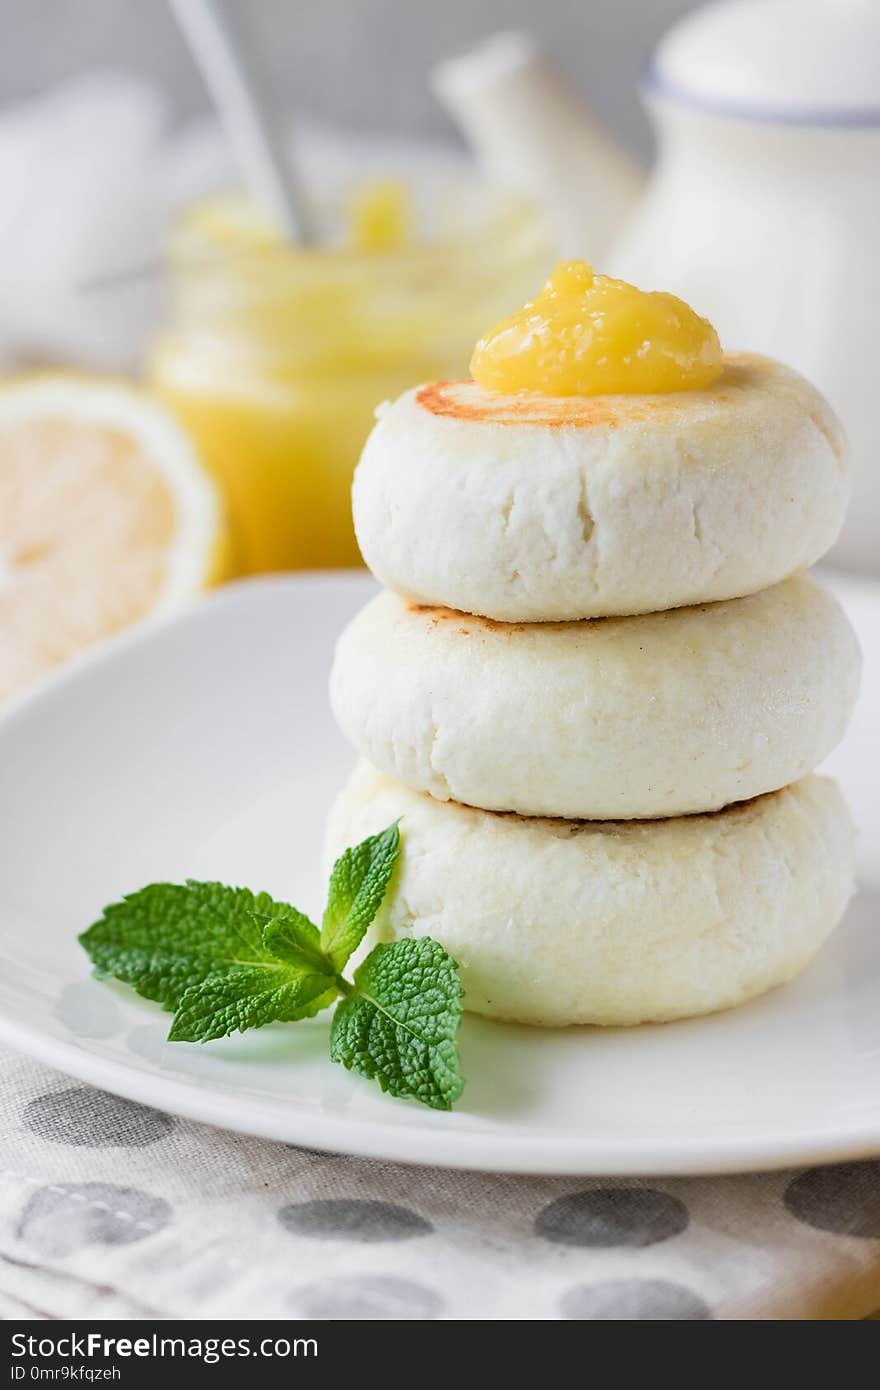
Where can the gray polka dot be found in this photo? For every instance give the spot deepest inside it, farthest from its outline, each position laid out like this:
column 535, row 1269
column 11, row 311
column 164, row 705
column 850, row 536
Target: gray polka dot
column 844, row 1199
column 92, row 1119
column 347, row 1219
column 370, row 1298
column 633, row 1300
column 65, row 1216
column 607, row 1216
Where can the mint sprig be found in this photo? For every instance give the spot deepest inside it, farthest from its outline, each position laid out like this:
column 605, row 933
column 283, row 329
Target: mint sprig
column 225, row 960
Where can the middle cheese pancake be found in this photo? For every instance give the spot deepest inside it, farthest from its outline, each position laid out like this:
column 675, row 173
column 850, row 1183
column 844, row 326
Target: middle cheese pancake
column 660, row 715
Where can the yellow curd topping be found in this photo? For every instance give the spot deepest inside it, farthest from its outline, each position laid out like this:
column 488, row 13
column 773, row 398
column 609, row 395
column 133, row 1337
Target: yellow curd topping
column 590, row 335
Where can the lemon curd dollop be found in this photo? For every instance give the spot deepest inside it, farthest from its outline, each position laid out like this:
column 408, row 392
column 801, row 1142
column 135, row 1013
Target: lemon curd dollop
column 588, row 335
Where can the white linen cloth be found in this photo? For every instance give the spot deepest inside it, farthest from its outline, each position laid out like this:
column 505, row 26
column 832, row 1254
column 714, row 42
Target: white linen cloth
column 112, row 1210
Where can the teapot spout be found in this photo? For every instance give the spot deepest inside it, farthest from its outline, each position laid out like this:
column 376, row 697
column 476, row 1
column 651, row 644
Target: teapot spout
column 530, row 129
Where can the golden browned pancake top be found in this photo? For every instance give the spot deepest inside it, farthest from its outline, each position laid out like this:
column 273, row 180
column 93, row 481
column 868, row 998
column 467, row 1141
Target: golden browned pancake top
column 465, row 400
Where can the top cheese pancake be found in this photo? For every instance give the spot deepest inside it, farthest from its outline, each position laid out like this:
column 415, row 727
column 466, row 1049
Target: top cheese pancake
column 532, row 508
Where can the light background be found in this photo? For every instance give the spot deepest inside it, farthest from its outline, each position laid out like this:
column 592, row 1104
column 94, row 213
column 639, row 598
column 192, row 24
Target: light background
column 360, row 62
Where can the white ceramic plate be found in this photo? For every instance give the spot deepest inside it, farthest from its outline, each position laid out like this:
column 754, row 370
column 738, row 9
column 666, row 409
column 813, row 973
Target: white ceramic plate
column 206, row 748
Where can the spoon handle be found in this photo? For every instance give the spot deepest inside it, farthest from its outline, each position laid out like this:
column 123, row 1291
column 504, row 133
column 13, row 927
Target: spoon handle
column 232, row 71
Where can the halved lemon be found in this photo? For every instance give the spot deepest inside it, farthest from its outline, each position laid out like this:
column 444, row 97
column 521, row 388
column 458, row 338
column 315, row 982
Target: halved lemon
column 106, row 518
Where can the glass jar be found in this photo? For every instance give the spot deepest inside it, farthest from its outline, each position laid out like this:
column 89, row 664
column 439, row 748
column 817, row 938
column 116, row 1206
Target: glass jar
column 275, row 357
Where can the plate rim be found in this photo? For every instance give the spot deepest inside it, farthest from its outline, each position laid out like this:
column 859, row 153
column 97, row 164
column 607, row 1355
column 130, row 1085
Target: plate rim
column 426, row 1146
column 108, row 648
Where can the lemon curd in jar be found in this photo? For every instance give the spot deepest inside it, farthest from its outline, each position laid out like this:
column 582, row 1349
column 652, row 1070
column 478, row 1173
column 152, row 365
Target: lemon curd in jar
column 586, row 335
column 276, row 356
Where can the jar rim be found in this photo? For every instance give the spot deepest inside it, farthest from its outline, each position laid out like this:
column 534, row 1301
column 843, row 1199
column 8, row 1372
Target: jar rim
column 490, row 224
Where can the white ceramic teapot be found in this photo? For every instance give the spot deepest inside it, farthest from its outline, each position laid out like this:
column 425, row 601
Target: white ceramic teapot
column 763, row 208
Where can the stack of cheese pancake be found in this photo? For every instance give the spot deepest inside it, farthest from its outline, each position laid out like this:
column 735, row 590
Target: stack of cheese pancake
column 596, row 687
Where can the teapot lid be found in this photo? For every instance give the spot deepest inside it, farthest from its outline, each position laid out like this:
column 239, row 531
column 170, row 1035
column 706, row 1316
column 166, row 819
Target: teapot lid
column 810, row 62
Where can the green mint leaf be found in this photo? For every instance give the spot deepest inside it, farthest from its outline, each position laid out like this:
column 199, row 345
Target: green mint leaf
column 168, row 937
column 294, row 939
column 357, row 887
column 249, row 996
column 399, row 1025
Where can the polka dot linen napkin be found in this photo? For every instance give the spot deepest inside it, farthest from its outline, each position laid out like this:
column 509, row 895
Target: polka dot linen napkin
column 113, row 1210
